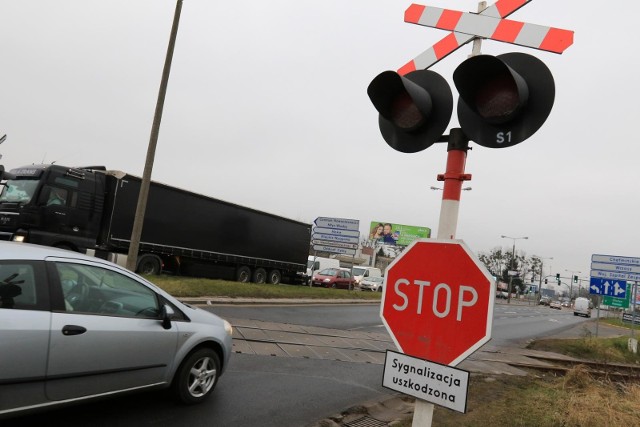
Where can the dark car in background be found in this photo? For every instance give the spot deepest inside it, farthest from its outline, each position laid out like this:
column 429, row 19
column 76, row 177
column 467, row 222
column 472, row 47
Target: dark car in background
column 337, row 278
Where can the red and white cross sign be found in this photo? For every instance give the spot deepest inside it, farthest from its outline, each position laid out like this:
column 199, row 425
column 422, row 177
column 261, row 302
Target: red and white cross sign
column 488, row 24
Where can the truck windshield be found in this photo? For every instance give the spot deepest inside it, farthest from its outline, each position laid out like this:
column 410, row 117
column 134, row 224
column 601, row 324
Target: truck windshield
column 18, row 190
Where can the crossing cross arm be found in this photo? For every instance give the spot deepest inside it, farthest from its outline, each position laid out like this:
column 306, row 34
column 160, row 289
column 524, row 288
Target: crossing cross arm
column 551, row 39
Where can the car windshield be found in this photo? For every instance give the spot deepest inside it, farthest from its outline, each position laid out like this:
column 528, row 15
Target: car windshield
column 329, row 272
column 18, row 190
column 358, row 271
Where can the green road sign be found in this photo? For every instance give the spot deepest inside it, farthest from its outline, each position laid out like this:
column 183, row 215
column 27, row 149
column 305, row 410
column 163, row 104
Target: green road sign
column 617, row 302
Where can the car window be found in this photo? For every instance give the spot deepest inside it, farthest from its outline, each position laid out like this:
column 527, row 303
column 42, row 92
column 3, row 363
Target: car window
column 97, row 290
column 18, row 288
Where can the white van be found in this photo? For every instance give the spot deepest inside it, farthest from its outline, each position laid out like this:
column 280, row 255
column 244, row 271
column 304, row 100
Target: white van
column 581, row 307
column 315, row 264
column 360, row 273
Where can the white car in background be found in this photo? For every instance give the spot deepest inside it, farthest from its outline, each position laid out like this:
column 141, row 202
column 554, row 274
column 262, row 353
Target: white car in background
column 373, row 284
column 76, row 328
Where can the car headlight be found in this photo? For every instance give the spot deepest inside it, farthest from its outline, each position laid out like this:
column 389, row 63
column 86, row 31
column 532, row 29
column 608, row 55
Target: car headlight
column 18, row 238
column 326, row 280
column 228, row 328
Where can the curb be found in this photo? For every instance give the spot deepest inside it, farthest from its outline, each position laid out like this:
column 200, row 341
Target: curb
column 271, row 301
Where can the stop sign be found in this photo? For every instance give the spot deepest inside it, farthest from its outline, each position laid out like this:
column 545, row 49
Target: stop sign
column 438, row 301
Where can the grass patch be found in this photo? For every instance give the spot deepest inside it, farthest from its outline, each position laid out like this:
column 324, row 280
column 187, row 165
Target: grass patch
column 184, row 287
column 604, row 350
column 574, row 400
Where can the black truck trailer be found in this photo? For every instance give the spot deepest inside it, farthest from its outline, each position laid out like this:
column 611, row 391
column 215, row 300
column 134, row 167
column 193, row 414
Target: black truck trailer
column 91, row 209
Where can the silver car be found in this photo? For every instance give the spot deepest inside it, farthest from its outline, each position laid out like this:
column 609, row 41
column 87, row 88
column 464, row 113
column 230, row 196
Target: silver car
column 372, row 284
column 74, row 328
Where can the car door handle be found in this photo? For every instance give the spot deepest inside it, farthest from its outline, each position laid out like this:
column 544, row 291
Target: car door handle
column 73, row 330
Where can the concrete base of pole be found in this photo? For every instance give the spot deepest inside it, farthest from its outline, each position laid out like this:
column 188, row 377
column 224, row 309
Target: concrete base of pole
column 422, row 414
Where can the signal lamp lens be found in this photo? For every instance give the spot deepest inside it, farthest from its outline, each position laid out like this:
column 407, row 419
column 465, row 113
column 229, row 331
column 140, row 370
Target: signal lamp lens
column 405, row 113
column 498, row 100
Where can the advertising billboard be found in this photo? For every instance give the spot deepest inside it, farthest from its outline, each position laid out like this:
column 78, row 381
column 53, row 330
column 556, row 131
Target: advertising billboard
column 386, row 233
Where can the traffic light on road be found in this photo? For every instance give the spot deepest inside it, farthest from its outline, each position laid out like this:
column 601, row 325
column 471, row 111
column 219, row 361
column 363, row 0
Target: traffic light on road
column 575, row 279
column 415, row 109
column 504, row 99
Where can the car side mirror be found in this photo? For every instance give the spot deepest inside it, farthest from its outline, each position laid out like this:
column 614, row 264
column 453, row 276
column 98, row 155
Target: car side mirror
column 167, row 312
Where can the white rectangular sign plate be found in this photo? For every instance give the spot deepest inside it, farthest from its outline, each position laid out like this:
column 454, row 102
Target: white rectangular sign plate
column 618, row 268
column 615, row 275
column 438, row 384
column 334, row 250
column 341, row 223
column 612, row 259
column 336, row 232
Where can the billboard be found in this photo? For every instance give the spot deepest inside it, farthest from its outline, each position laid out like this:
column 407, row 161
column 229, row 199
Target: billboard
column 386, row 233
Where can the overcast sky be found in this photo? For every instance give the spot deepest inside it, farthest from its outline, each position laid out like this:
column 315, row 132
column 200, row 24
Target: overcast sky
column 267, row 107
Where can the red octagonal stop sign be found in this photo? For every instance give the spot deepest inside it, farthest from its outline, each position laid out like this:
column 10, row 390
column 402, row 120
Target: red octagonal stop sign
column 438, row 301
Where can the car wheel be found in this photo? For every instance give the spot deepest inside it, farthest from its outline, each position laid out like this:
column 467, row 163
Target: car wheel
column 197, row 376
column 379, row 288
column 259, row 275
column 243, row 274
column 333, row 286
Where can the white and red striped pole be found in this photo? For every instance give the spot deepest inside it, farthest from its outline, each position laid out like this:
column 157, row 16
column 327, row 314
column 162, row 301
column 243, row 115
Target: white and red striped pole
column 453, row 178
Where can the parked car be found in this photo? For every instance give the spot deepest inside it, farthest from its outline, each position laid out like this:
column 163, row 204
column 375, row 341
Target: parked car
column 361, row 273
column 374, row 284
column 334, row 278
column 316, row 263
column 75, row 328
column 555, row 304
column 502, row 295
column 545, row 300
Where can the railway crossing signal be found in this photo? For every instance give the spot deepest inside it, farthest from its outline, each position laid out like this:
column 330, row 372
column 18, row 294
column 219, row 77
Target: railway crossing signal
column 503, row 99
column 415, row 109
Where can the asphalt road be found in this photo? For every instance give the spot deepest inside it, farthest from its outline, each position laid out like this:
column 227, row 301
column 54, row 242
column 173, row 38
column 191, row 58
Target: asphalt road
column 273, row 391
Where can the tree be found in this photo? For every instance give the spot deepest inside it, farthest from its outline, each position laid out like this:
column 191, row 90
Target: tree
column 500, row 261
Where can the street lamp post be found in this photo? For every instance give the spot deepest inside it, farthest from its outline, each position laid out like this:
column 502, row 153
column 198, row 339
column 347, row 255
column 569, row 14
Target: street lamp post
column 513, row 259
column 541, row 272
column 573, row 273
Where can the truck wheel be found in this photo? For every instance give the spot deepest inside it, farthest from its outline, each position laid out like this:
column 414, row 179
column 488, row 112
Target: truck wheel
column 243, row 274
column 275, row 277
column 259, row 275
column 149, row 264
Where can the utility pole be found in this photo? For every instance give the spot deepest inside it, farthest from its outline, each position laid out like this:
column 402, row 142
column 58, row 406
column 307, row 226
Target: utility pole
column 136, row 233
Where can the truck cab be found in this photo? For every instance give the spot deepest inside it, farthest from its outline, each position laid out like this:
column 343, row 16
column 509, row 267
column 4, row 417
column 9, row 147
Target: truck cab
column 52, row 205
